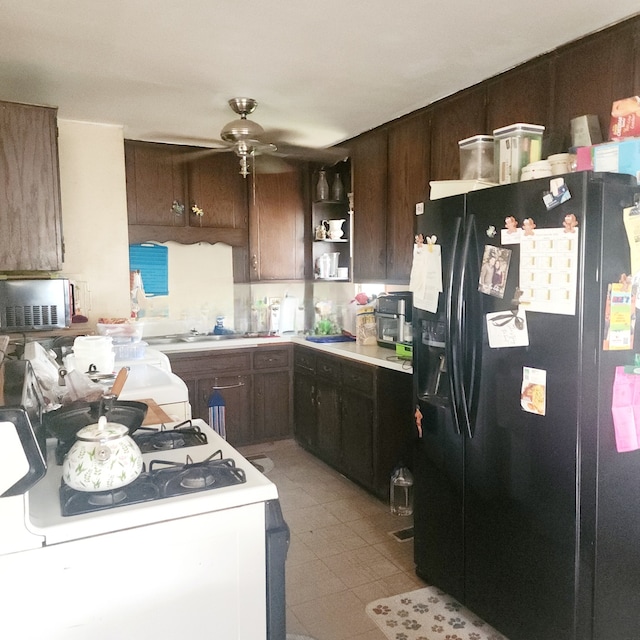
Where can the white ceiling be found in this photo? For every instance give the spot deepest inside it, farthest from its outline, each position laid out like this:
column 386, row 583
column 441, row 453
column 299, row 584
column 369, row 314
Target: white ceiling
column 321, row 71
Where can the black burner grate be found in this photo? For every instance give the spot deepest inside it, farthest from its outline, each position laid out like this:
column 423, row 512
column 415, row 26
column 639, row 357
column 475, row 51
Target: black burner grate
column 163, row 480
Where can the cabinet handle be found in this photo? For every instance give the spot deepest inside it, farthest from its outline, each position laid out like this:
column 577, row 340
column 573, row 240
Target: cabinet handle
column 254, row 262
column 318, row 398
column 217, row 387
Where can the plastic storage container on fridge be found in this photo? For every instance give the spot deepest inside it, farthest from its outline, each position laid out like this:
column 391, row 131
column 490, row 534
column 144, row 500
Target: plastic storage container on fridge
column 476, row 158
column 516, row 146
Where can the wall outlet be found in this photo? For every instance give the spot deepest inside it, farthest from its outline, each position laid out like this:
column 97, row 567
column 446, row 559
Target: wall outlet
column 419, row 208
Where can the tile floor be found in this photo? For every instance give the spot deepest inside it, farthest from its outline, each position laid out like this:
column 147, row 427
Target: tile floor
column 341, row 555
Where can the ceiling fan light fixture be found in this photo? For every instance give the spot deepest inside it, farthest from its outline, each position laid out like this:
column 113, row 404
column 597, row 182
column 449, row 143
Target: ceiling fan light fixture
column 241, row 129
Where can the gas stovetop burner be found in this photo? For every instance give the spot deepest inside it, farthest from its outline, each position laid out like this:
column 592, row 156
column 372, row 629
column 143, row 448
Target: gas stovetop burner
column 186, row 434
column 164, row 479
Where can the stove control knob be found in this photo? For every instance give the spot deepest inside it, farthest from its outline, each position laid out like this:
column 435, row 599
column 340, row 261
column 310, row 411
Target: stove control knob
column 103, row 453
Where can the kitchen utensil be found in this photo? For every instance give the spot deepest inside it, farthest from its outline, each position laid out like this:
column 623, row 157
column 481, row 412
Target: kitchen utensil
column 64, row 423
column 103, row 457
column 119, row 382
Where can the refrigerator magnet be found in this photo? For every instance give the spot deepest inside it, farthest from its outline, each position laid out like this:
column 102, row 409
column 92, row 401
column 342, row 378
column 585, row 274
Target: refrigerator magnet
column 511, row 233
column 507, row 329
column 557, row 194
column 533, row 394
column 494, row 270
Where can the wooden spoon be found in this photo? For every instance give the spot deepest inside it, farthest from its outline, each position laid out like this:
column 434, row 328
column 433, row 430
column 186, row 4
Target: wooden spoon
column 118, row 383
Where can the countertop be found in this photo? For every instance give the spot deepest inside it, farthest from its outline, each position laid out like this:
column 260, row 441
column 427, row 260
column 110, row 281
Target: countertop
column 374, row 355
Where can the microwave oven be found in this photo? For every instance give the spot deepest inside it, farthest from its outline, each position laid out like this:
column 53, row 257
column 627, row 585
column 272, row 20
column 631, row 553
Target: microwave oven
column 393, row 318
column 35, row 304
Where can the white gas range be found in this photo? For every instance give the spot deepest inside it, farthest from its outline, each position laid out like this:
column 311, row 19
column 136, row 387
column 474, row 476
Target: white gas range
column 207, row 562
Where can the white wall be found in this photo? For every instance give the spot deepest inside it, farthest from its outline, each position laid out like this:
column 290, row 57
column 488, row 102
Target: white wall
column 94, row 216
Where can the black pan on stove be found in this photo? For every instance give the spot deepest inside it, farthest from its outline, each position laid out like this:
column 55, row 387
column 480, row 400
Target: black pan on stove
column 65, row 422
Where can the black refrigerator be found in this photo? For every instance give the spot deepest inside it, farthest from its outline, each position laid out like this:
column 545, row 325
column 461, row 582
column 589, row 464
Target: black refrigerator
column 524, row 509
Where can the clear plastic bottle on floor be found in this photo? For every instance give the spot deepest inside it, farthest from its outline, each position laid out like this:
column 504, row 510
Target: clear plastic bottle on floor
column 401, row 492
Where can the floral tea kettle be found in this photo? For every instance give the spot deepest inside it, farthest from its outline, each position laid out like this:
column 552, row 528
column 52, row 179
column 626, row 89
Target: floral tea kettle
column 103, row 457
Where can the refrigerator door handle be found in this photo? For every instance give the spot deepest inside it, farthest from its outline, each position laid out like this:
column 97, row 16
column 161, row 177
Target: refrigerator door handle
column 451, row 339
column 467, row 305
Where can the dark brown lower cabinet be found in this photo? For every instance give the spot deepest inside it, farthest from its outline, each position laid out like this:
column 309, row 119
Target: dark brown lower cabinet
column 256, row 386
column 355, row 417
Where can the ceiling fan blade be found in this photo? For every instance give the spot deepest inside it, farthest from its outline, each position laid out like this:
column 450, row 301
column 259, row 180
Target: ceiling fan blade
column 197, row 154
column 269, row 163
column 329, row 156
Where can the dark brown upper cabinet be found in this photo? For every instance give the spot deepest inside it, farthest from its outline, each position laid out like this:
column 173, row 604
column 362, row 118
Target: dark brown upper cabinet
column 277, row 216
column 524, row 94
column 452, row 120
column 369, row 180
column 593, row 72
column 164, row 182
column 408, row 184
column 30, row 213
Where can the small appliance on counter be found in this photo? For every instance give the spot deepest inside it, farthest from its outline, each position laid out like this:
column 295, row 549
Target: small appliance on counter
column 393, row 318
column 35, row 304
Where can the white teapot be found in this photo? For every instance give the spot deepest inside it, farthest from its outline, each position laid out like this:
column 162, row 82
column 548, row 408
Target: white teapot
column 103, row 457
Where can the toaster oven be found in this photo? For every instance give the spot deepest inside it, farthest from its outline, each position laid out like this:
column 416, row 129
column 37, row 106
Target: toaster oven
column 393, row 318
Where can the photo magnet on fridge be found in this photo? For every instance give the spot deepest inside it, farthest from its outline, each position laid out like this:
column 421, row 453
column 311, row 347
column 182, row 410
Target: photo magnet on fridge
column 557, row 194
column 494, row 270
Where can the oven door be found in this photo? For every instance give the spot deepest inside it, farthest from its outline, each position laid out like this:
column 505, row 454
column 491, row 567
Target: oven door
column 22, row 462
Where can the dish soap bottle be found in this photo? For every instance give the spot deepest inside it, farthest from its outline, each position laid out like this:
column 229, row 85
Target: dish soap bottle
column 401, row 492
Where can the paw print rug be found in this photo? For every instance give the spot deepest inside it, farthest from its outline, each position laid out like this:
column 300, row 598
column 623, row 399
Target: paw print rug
column 428, row 614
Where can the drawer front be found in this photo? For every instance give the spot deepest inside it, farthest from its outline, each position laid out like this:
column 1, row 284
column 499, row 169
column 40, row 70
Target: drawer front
column 328, row 368
column 304, row 359
column 236, row 360
column 271, row 358
column 359, row 378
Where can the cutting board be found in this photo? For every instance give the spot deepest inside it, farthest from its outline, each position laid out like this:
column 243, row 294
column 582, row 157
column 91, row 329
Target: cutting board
column 155, row 414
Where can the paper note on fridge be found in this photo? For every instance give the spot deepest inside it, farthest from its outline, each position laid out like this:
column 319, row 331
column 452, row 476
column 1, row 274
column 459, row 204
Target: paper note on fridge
column 507, row 329
column 426, row 276
column 625, row 409
column 549, row 270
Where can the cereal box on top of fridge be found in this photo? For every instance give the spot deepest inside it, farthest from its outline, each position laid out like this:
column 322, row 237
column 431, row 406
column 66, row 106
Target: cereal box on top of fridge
column 625, row 119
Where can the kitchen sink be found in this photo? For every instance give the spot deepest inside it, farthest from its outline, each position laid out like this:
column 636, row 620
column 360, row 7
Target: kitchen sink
column 191, row 337
column 208, row 337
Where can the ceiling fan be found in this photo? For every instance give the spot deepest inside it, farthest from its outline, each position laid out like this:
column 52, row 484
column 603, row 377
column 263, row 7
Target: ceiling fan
column 248, row 140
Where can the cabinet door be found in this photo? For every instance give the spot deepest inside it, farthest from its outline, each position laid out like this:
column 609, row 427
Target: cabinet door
column 590, row 74
column 216, row 187
column 328, row 412
column 236, row 392
column 357, row 419
column 272, row 393
column 30, row 220
column 156, row 179
column 271, row 405
column 369, row 176
column 408, row 179
column 304, row 409
column 522, row 95
column 276, row 225
column 452, row 120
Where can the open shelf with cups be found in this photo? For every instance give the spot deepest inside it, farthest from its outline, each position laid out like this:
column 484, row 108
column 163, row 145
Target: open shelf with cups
column 331, row 219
